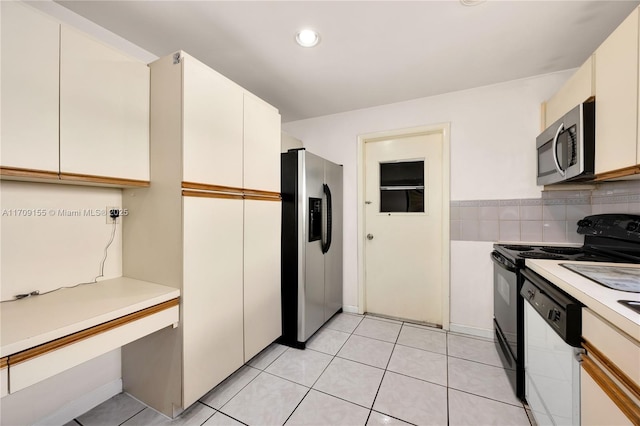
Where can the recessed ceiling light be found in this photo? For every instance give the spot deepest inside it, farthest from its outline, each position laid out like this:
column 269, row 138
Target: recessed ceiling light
column 471, row 2
column 307, row 38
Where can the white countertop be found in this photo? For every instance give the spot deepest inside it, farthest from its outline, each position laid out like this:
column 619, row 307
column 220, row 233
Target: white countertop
column 36, row 320
column 600, row 299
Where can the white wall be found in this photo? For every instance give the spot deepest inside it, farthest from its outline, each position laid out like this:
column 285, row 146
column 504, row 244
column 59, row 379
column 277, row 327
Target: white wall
column 493, row 131
column 46, row 246
column 471, row 288
column 44, row 252
column 288, row 142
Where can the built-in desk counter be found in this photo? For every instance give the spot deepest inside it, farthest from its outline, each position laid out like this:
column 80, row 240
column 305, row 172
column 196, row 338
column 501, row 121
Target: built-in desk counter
column 41, row 336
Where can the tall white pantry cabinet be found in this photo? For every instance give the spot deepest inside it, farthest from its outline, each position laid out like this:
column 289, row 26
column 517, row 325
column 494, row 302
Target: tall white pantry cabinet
column 209, row 224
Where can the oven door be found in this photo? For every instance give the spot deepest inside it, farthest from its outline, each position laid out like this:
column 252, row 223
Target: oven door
column 508, row 321
column 505, row 300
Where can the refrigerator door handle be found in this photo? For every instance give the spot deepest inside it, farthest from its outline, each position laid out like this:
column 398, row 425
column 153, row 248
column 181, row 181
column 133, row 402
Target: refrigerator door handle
column 327, row 244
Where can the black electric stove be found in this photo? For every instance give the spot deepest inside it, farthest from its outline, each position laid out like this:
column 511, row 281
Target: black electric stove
column 607, row 238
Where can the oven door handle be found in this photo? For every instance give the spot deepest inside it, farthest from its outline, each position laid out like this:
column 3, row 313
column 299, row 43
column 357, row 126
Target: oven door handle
column 501, row 262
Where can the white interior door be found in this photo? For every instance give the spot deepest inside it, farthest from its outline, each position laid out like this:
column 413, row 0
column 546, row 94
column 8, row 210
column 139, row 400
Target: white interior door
column 403, row 227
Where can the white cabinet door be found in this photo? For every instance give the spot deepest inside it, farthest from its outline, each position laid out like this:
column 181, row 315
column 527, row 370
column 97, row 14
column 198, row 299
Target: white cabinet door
column 30, row 62
column 262, row 305
column 212, row 126
column 104, row 110
column 596, row 407
column 617, row 98
column 576, row 90
column 211, row 294
column 261, row 145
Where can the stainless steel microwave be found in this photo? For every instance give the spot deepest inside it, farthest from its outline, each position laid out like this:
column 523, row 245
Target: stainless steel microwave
column 566, row 148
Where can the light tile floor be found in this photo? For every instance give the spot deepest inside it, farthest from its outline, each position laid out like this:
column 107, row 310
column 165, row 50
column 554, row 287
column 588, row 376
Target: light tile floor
column 357, row 370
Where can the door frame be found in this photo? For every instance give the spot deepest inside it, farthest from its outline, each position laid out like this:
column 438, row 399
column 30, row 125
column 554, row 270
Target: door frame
column 444, row 129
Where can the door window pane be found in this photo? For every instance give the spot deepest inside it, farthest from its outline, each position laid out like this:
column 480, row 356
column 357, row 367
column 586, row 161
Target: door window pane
column 402, row 187
column 406, row 173
column 403, row 201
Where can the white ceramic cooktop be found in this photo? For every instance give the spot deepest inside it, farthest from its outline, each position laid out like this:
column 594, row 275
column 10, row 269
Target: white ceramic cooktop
column 616, row 277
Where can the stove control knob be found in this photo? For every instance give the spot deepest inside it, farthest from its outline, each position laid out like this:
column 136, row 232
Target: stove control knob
column 530, row 294
column 633, row 226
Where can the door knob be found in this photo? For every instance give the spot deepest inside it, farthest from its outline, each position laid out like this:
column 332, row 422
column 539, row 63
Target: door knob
column 369, row 236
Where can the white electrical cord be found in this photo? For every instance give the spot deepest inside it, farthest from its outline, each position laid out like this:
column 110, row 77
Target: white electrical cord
column 95, row 280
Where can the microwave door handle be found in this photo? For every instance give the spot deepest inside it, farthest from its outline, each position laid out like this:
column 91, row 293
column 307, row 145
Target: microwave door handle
column 554, row 148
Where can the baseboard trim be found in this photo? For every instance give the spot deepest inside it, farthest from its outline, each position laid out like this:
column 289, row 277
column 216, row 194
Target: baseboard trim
column 472, row 331
column 79, row 406
column 350, row 309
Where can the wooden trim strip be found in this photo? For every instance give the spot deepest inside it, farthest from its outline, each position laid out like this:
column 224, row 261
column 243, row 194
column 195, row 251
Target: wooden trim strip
column 76, row 177
column 4, row 362
column 609, row 387
column 260, row 193
column 230, row 190
column 614, row 174
column 207, row 187
column 90, row 332
column 262, row 198
column 187, row 193
column 612, row 368
column 28, row 173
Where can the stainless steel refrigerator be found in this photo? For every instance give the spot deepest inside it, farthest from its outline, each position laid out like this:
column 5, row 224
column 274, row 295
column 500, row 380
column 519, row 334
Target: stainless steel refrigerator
column 311, row 244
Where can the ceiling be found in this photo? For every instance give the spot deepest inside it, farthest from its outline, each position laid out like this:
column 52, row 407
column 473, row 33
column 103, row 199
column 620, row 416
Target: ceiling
column 371, row 52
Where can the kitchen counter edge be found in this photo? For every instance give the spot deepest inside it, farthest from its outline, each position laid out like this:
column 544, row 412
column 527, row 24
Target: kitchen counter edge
column 600, row 299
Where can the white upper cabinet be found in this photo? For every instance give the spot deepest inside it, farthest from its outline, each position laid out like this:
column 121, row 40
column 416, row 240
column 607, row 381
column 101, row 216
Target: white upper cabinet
column 576, row 90
column 617, row 98
column 30, row 59
column 261, row 145
column 104, row 110
column 72, row 107
column 212, row 126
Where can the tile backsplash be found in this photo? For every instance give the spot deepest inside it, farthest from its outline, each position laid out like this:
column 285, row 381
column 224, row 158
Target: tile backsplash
column 551, row 218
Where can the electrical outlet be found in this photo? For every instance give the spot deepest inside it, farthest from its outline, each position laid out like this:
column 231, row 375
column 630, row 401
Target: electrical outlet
column 108, row 214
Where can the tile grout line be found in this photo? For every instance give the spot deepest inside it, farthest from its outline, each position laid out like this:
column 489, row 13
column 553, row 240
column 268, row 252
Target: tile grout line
column 241, row 389
column 214, row 412
column 385, row 370
column 320, row 375
column 488, row 398
column 223, row 414
column 393, row 417
column 446, row 351
column 144, row 408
